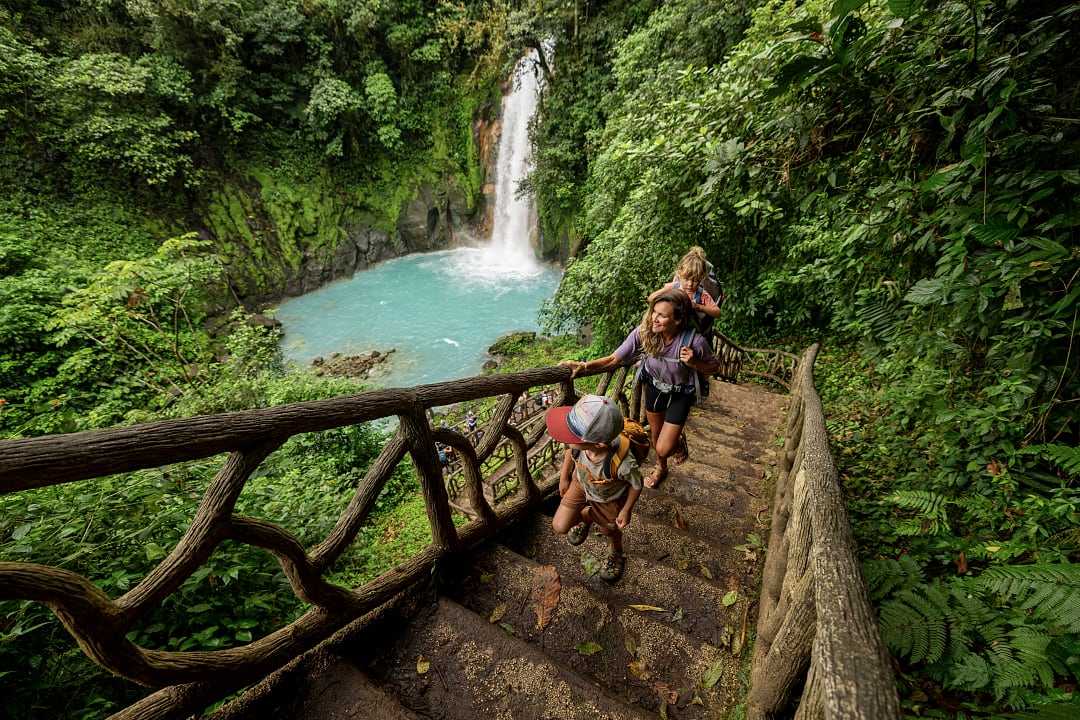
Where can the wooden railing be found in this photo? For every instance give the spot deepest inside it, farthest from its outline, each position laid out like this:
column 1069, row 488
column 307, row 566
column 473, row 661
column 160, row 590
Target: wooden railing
column 816, row 628
column 811, row 570
column 189, row 680
column 770, row 364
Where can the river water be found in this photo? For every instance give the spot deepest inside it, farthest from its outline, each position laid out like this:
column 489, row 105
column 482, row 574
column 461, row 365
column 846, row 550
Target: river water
column 441, row 310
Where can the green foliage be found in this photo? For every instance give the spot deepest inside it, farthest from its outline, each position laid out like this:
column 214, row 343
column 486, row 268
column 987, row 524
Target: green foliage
column 930, row 507
column 1065, row 457
column 1050, row 592
column 983, row 633
column 897, row 177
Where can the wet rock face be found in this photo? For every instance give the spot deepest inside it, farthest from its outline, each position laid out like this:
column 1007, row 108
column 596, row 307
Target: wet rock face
column 434, row 218
column 354, row 366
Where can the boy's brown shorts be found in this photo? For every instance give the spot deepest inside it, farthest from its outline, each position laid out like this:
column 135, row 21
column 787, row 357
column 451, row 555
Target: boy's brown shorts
column 603, row 514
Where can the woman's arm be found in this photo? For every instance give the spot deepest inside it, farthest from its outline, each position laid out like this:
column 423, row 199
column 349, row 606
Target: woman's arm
column 708, row 364
column 577, row 367
column 622, row 354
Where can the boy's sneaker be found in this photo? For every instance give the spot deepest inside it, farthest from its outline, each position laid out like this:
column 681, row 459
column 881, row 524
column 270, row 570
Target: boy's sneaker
column 577, row 534
column 613, row 568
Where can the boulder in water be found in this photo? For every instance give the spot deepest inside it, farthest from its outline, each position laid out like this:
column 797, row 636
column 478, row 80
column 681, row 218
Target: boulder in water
column 354, row 366
column 260, row 320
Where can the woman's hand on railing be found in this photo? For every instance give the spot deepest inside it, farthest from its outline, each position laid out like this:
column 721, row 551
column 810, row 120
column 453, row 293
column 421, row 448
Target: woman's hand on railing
column 576, row 366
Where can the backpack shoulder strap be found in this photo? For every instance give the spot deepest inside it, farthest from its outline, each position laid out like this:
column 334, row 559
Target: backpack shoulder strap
column 687, row 338
column 615, row 458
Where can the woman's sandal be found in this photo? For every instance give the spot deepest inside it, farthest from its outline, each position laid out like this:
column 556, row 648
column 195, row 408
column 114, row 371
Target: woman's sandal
column 655, row 478
column 577, row 534
column 613, row 566
column 682, row 453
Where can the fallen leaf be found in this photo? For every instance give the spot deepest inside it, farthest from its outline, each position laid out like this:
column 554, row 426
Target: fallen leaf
column 712, row 675
column 683, row 564
column 497, row 613
column 508, row 628
column 422, row 665
column 546, row 591
column 730, row 598
column 680, row 521
column 590, row 564
column 486, row 578
column 705, row 571
column 677, row 615
column 588, row 648
column 697, row 700
column 663, row 710
column 638, row 669
column 630, row 644
column 666, row 693
column 650, row 608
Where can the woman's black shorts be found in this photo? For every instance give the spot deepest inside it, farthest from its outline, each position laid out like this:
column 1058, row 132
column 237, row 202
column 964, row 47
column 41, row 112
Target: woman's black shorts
column 675, row 406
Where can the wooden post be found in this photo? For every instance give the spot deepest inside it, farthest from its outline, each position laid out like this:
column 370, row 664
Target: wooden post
column 788, row 655
column 417, row 433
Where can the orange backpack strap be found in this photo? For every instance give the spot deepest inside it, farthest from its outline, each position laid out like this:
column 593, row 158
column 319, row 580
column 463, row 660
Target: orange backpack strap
column 614, row 460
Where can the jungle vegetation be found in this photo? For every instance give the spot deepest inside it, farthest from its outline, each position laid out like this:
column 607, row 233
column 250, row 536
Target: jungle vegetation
column 894, row 178
column 897, row 179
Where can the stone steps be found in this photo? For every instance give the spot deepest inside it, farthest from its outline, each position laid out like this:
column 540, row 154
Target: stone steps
column 668, row 640
column 453, row 664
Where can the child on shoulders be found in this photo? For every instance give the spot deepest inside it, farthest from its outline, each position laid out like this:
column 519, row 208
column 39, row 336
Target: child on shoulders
column 693, row 275
column 599, row 481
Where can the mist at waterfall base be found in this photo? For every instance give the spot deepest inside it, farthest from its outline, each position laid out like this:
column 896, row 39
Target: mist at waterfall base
column 440, row 311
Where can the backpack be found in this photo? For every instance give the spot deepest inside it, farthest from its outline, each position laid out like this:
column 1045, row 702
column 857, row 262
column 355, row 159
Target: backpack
column 634, row 439
column 699, row 387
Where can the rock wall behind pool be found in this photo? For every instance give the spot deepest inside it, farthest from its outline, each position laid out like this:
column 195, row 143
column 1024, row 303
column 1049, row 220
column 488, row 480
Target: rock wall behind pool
column 284, row 231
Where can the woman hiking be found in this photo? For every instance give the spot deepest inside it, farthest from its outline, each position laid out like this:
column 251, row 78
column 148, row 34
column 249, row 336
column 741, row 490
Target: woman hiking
column 672, row 354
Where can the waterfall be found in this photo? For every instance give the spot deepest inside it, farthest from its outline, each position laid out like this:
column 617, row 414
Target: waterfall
column 510, row 251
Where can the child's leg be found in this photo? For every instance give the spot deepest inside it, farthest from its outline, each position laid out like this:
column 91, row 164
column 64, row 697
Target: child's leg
column 604, row 514
column 570, row 509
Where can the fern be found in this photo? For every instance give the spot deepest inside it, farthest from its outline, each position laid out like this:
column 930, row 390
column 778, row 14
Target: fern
column 914, row 623
column 880, row 316
column 930, row 506
column 1050, row 592
column 1066, row 539
column 886, row 576
column 1054, row 711
column 967, row 641
column 1065, row 457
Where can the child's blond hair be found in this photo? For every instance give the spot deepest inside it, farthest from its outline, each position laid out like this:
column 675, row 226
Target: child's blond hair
column 693, row 266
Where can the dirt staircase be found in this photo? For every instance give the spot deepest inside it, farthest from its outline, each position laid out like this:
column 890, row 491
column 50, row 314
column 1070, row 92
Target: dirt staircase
column 668, row 640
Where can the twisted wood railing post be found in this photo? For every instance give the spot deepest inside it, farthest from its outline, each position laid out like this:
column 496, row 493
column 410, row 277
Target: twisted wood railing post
column 189, row 680
column 417, row 434
column 814, row 615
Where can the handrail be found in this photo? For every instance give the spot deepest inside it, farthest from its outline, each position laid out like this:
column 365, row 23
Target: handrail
column 769, row 363
column 191, row 679
column 816, row 627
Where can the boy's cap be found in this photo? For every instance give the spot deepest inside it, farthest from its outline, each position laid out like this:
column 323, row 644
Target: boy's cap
column 592, row 419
